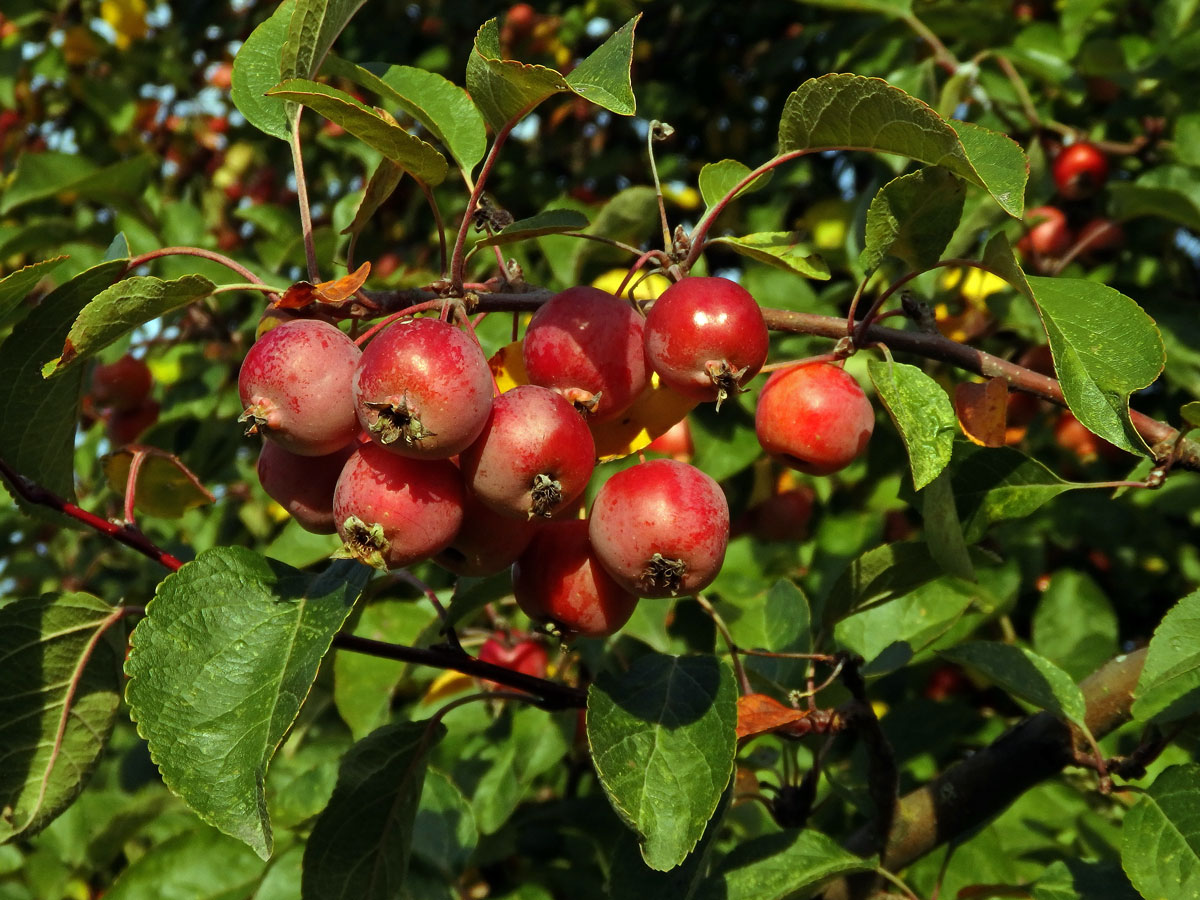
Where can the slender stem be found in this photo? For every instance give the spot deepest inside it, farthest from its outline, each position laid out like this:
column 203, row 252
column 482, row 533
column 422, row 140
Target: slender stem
column 738, row 669
column 661, row 131
column 32, row 492
column 611, row 242
column 1081, row 245
column 447, row 629
column 437, row 221
column 210, row 255
column 942, row 56
column 135, row 467
column 641, row 261
column 872, row 313
column 306, row 225
column 1018, row 83
column 895, row 879
column 261, row 288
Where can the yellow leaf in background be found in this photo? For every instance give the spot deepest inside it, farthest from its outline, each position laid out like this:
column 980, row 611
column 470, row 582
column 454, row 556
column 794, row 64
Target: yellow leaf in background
column 508, row 366
column 78, row 46
column 647, row 289
column 165, row 487
column 447, row 685
column 975, row 285
column 655, row 410
column 127, row 18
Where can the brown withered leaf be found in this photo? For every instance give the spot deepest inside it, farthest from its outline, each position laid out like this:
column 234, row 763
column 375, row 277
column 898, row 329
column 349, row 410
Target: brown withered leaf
column 982, row 411
column 760, row 714
column 335, row 292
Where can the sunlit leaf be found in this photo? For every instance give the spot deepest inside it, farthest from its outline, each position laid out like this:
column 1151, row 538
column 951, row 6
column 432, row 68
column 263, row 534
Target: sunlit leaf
column 1024, row 674
column 922, row 414
column 257, row 68
column 551, row 221
column 719, row 178
column 1160, row 838
column 1169, row 686
column 913, row 218
column 780, row 249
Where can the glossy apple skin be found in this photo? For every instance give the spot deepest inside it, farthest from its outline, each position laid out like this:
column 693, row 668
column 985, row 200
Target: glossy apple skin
column 559, row 580
column 487, row 542
column 700, row 323
column 814, row 418
column 298, row 375
column 1080, row 170
column 664, row 508
column 675, row 442
column 588, row 345
column 303, row 485
column 1049, row 234
column 438, row 373
column 419, row 503
column 531, row 431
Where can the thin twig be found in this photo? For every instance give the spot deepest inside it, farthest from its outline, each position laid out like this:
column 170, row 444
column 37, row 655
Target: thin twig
column 306, row 225
column 210, row 255
column 738, row 669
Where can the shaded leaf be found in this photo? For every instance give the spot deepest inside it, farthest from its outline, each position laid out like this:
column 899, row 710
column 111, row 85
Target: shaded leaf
column 117, row 310
column 943, row 529
column 202, row 864
column 982, row 410
column 780, row 249
column 1160, row 838
column 922, row 414
column 1167, row 687
column 1190, row 413
column 663, row 737
column 411, row 153
column 219, row 668
column 60, row 687
column 526, row 746
column 551, row 221
column 779, row 621
column 312, row 29
column 337, row 291
column 360, row 844
column 603, row 77
column 165, row 487
column 379, row 187
column 15, row 286
column 38, row 176
column 719, row 178
column 788, row 864
column 995, row 485
column 1074, row 625
column 852, row 112
column 1024, row 674
column 881, row 574
column 38, row 437
column 257, row 68
column 444, row 833
column 913, row 218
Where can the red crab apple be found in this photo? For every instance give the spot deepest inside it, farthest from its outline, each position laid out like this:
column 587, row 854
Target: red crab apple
column 303, row 485
column 814, row 418
column 1101, row 237
column 534, row 457
column 587, row 345
column 122, row 386
column 1080, row 170
column 423, row 389
column 705, row 337
column 675, row 442
column 660, row 528
column 295, row 387
column 487, row 542
column 392, row 511
column 784, row 516
column 526, row 656
column 558, row 580
column 1049, row 234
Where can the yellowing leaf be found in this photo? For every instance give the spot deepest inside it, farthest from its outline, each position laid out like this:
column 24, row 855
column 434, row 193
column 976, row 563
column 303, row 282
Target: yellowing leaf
column 655, row 410
column 127, row 18
column 165, row 487
column 975, row 285
column 508, row 367
column 448, row 684
column 650, row 288
column 982, row 411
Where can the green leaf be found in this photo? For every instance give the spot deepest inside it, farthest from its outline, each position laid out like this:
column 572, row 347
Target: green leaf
column 411, row 153
column 998, row 484
column 257, row 68
column 943, row 529
column 1160, row 839
column 852, row 112
column 360, row 844
column 1167, row 687
column 15, row 286
column 1190, row 413
column 922, row 414
column 889, row 635
column 219, row 668
column 202, row 864
column 891, row 8
column 504, row 89
column 164, row 487
column 1166, row 192
column 379, row 187
column 603, row 78
column 1024, row 674
column 881, row 574
column 60, row 684
column 787, row 865
column 312, row 29
column 41, row 175
column 1074, row 625
column 444, row 833
column 527, row 745
column 663, row 737
column 117, row 310
column 913, row 218
column 1105, row 347
column 779, row 621
column 779, row 249
column 38, row 437
column 551, row 221
column 719, row 178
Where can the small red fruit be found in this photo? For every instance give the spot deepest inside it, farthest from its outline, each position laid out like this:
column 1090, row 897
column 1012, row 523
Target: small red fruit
column 1080, row 170
column 534, row 457
column 705, row 337
column 660, row 528
column 559, row 580
column 587, row 345
column 127, row 426
column 487, row 542
column 295, row 387
column 784, row 516
column 1100, row 237
column 303, row 485
column 121, row 386
column 392, row 511
column 1048, row 235
column 528, row 657
column 423, row 389
column 814, row 418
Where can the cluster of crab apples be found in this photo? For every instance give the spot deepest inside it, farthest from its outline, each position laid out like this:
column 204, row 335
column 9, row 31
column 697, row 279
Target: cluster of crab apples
column 409, row 452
